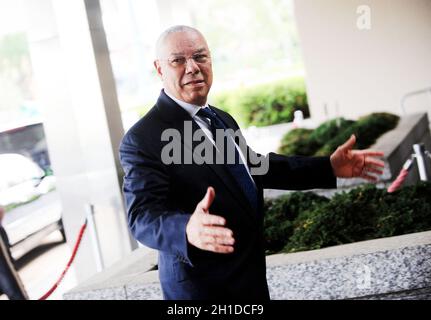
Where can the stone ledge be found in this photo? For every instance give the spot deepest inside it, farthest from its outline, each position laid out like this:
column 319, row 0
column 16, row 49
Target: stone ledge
column 351, row 249
column 398, row 267
column 387, row 268
column 111, row 281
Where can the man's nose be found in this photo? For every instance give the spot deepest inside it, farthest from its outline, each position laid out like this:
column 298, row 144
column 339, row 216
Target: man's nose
column 191, row 66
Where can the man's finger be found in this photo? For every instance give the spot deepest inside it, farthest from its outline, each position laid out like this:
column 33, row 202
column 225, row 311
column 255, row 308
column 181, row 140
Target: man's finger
column 370, row 153
column 208, row 199
column 217, row 231
column 368, row 177
column 210, row 219
column 374, row 162
column 373, row 170
column 349, row 143
column 218, row 248
column 207, row 240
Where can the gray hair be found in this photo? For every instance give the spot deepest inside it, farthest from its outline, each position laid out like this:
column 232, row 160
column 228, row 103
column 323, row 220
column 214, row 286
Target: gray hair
column 169, row 31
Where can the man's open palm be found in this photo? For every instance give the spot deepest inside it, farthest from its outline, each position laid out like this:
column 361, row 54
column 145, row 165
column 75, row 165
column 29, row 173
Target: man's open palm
column 348, row 163
column 206, row 231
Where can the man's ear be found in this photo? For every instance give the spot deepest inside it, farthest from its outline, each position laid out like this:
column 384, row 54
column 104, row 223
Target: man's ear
column 158, row 68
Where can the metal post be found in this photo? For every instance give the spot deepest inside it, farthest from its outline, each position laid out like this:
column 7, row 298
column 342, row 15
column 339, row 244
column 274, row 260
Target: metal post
column 419, row 149
column 94, row 237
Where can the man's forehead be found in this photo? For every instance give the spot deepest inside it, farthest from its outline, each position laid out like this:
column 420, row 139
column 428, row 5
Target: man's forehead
column 179, row 43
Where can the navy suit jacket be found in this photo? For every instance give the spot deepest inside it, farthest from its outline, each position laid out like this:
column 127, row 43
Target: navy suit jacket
column 161, row 198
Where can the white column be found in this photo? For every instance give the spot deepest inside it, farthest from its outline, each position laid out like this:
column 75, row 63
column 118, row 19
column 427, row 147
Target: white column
column 76, row 88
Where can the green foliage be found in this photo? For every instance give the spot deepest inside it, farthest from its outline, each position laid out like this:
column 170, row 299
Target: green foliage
column 323, row 140
column 13, row 49
column 266, row 104
column 363, row 213
column 329, row 130
column 15, row 72
column 367, row 129
column 307, row 142
column 12, row 206
column 269, row 45
column 298, row 142
column 280, row 214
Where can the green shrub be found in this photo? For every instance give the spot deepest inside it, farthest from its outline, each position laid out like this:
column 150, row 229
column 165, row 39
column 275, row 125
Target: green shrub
column 307, row 142
column 265, row 104
column 346, row 218
column 326, row 138
column 329, row 130
column 363, row 213
column 280, row 214
column 367, row 129
column 297, row 142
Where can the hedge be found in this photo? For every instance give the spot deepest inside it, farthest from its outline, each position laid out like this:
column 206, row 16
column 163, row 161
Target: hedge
column 363, row 213
column 325, row 139
column 265, row 104
column 367, row 129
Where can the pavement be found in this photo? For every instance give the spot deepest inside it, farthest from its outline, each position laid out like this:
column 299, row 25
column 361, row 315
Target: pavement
column 41, row 267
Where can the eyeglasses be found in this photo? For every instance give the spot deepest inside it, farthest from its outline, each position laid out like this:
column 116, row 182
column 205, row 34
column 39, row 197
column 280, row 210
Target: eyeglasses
column 180, row 61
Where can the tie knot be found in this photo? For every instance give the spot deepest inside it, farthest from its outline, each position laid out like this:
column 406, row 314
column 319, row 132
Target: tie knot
column 207, row 113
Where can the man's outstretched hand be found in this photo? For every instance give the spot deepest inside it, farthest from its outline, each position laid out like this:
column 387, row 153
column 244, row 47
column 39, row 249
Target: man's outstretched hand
column 205, row 231
column 348, row 163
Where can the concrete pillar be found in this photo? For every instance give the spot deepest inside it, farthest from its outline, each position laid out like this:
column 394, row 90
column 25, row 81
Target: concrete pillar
column 76, row 89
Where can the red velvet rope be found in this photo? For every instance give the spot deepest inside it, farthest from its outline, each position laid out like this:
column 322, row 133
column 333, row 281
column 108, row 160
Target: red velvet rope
column 75, row 250
column 398, row 181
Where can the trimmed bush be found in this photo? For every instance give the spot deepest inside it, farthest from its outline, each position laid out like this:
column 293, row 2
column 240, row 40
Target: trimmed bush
column 280, row 214
column 363, row 213
column 298, row 142
column 265, row 104
column 326, row 138
column 329, row 130
column 367, row 129
column 307, row 142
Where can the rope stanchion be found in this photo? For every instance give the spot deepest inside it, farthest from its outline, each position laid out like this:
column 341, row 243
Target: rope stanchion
column 418, row 155
column 72, row 258
column 398, row 181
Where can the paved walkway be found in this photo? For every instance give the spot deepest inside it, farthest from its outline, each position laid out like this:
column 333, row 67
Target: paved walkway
column 40, row 269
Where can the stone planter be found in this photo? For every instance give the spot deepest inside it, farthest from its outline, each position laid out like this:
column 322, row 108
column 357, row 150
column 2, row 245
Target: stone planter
column 388, row 268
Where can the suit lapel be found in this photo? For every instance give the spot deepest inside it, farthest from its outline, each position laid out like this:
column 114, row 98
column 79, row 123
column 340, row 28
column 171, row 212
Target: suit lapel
column 176, row 116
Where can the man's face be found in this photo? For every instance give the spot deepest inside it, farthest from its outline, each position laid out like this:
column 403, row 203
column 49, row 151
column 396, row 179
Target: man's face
column 184, row 65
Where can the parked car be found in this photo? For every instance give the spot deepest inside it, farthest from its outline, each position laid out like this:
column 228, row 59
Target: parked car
column 32, row 203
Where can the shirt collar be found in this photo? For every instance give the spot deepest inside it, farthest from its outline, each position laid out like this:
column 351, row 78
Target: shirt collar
column 190, row 108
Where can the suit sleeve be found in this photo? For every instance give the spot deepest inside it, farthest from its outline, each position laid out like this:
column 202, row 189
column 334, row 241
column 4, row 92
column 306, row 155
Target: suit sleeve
column 298, row 173
column 146, row 188
column 290, row 172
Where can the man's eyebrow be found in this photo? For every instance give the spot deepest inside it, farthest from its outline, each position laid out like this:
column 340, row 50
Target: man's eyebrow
column 182, row 53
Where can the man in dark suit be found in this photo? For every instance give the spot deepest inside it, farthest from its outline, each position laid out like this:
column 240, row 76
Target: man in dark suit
column 206, row 217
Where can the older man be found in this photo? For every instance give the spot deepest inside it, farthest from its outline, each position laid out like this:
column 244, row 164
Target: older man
column 206, row 217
